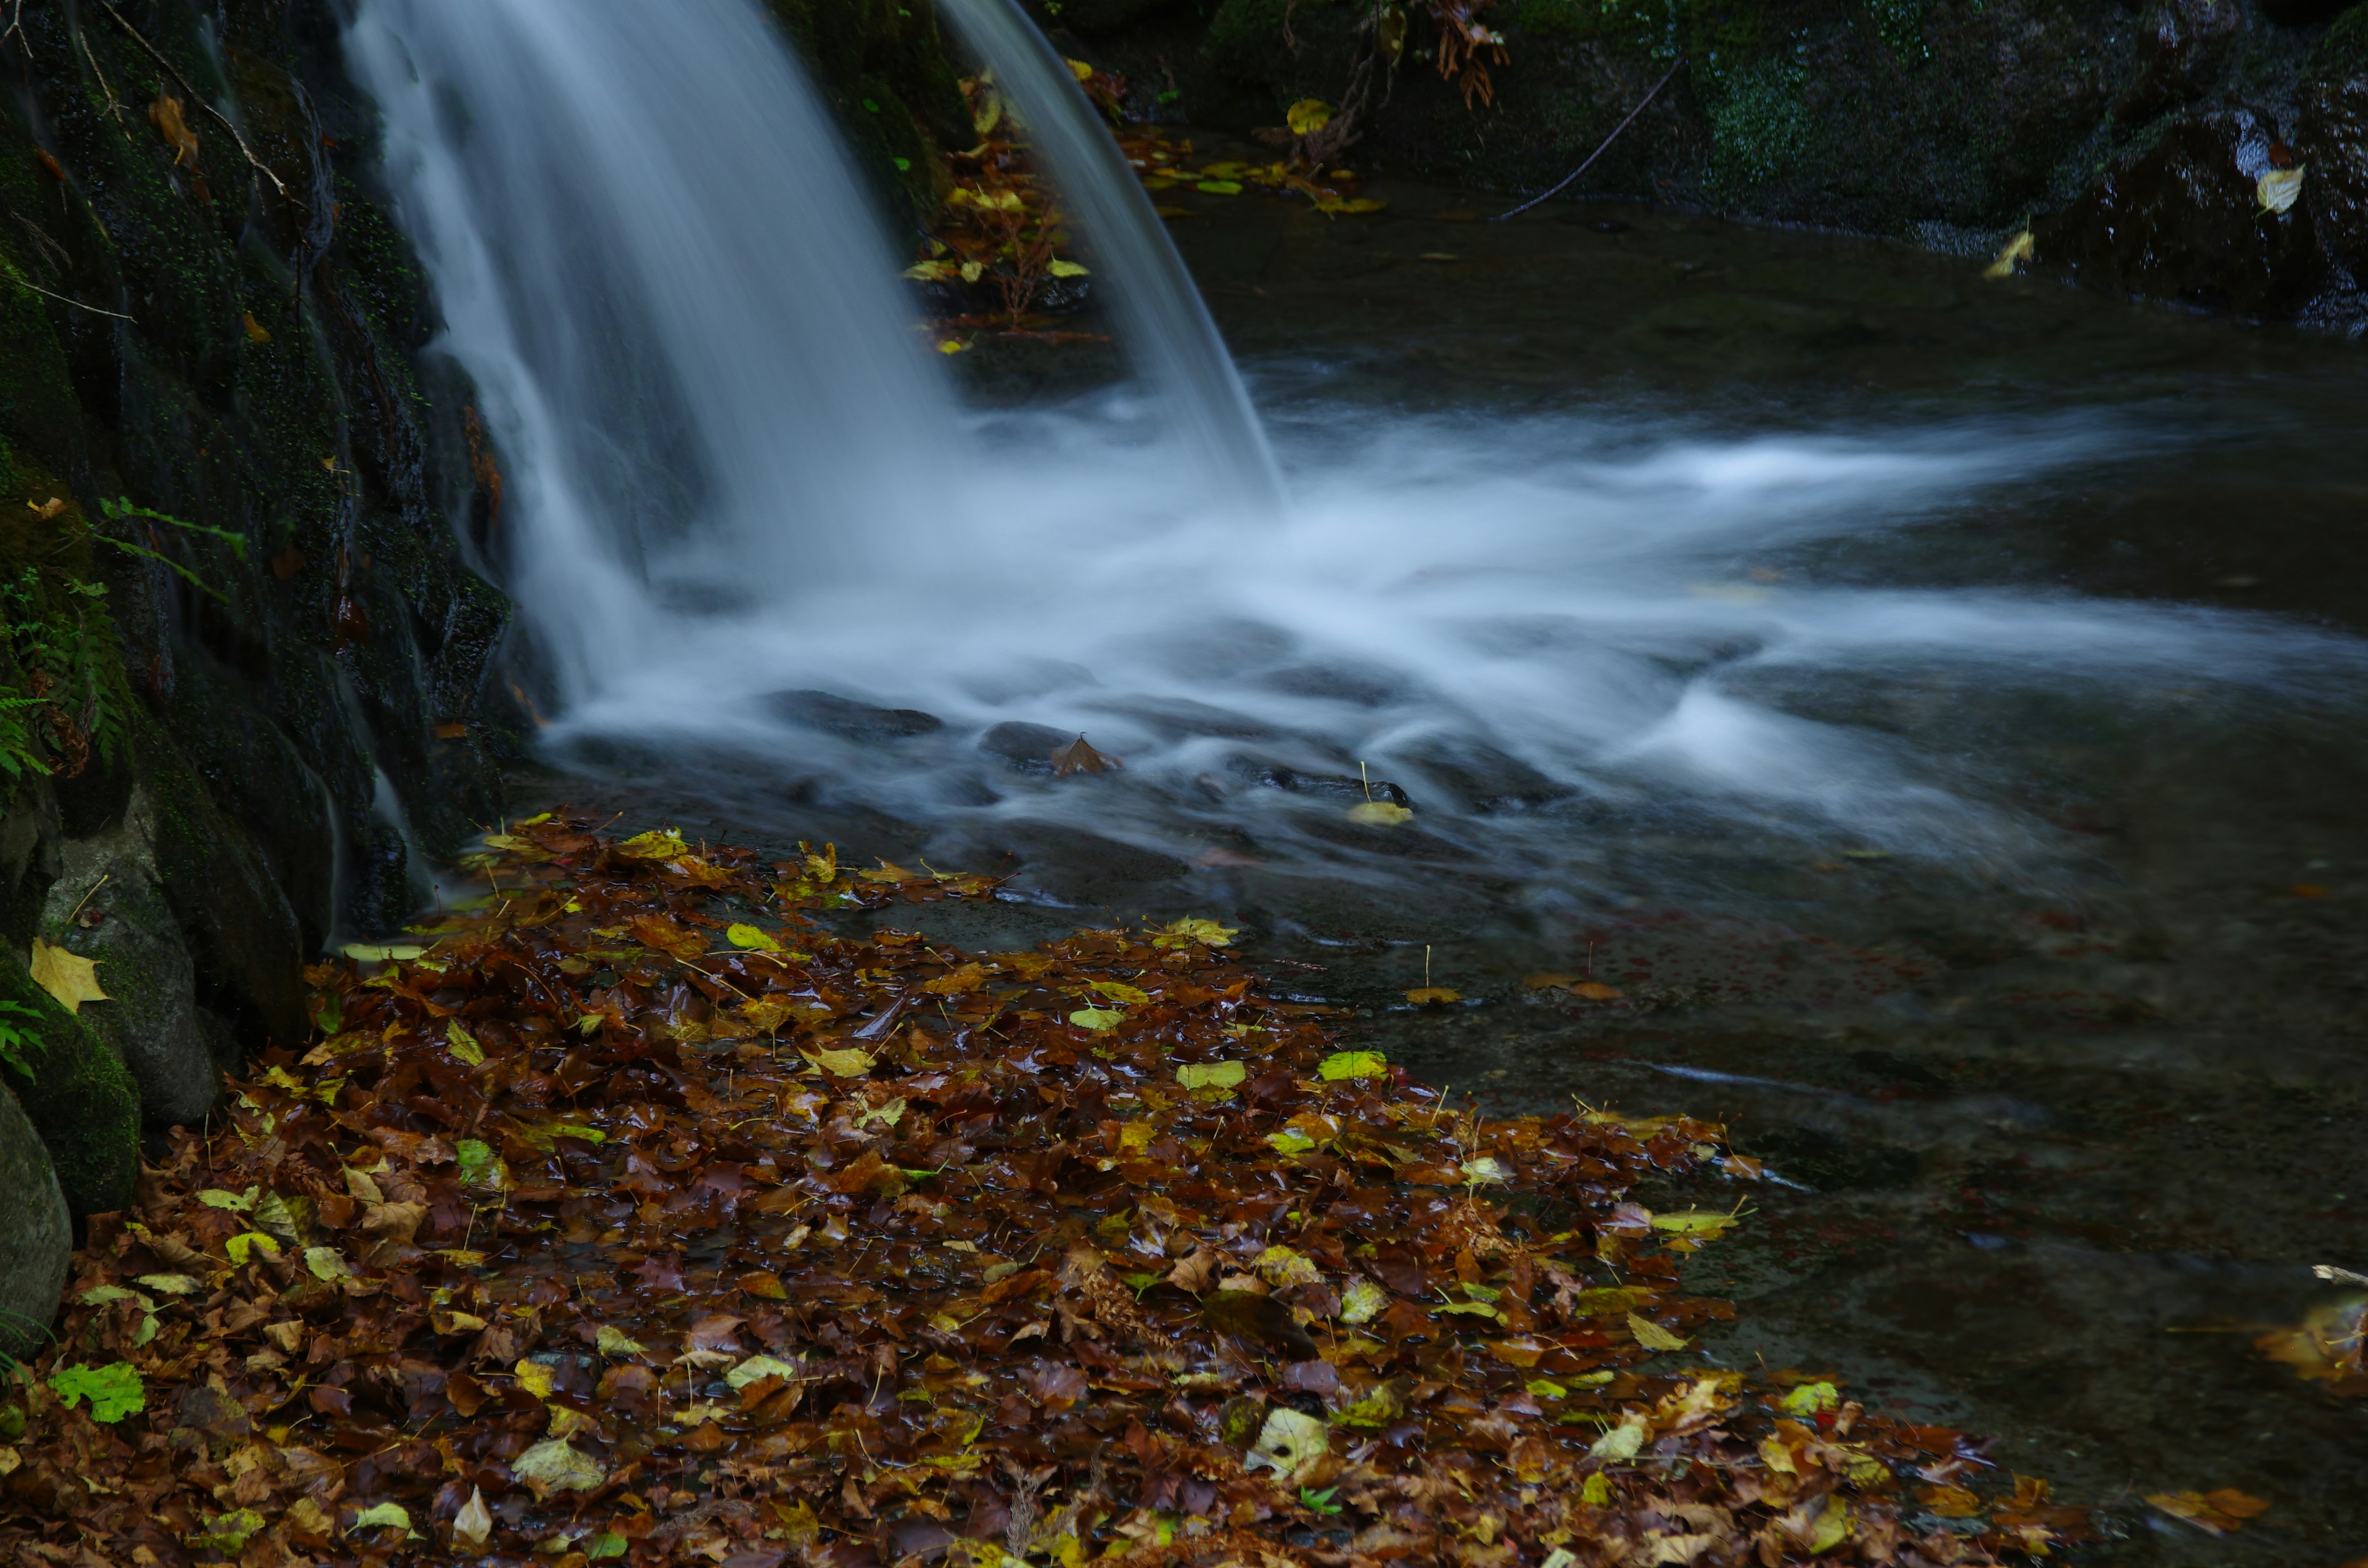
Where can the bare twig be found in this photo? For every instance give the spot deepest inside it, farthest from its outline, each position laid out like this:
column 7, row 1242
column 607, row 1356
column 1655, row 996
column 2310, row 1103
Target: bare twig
column 114, row 104
column 195, row 97
column 16, row 29
column 61, row 299
column 1558, row 190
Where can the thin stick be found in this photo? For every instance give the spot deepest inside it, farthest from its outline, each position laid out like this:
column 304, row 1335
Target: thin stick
column 61, row 299
column 199, row 99
column 114, row 104
column 1582, row 169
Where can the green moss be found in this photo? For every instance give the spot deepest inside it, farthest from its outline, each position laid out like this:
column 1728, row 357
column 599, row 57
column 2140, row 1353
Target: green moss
column 2342, row 52
column 1759, row 129
column 82, row 1101
column 882, row 66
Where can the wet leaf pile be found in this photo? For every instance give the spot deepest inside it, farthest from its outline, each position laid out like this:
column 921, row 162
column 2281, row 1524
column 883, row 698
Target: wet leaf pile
column 633, row 1215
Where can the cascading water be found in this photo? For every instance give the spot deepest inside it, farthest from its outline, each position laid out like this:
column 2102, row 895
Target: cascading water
column 735, row 478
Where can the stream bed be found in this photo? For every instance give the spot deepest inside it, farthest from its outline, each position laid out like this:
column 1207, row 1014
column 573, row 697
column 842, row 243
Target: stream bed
column 1961, row 783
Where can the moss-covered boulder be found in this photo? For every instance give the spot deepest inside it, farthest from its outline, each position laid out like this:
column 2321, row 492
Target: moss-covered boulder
column 80, row 1099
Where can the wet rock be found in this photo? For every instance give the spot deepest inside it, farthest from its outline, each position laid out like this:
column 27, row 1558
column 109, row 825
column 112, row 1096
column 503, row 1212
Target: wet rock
column 1334, row 786
column 2187, row 44
column 2332, row 142
column 109, row 905
column 850, row 720
column 1180, row 718
column 1099, row 18
column 2181, row 220
column 1367, row 688
column 1488, row 780
column 1070, row 867
column 36, row 1235
column 2300, row 13
column 1026, row 746
column 29, row 861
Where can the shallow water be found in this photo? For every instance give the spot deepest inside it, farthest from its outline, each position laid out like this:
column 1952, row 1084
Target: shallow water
column 1934, row 703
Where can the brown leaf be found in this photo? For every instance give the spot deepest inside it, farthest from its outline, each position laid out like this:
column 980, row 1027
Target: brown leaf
column 1262, row 1318
column 1079, row 757
column 166, row 115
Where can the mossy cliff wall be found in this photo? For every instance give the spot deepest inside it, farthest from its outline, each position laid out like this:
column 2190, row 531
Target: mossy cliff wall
column 230, row 337
column 1952, row 123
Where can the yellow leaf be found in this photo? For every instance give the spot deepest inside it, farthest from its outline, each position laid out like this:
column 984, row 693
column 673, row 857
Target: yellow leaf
column 2017, row 251
column 611, row 1340
column 1193, row 928
column 1624, row 1442
column 382, row 1517
column 2279, row 190
column 1833, row 1526
column 256, row 331
column 1379, row 814
column 463, row 1044
column 1597, row 1492
column 1425, row 995
column 659, row 844
column 1118, row 990
column 553, row 1466
column 1287, row 1441
column 1308, row 116
column 1363, row 1302
column 1485, row 1170
column 1097, row 1018
column 535, row 1378
column 1811, row 1399
column 326, row 1263
column 1349, row 204
column 166, row 115
column 1080, row 70
column 369, row 952
column 1219, row 188
column 1652, row 1336
column 248, row 1242
column 749, row 937
column 1064, row 269
column 1353, row 1064
column 952, row 345
column 841, row 1063
column 1290, row 1142
column 70, row 977
column 1694, row 1221
column 1211, row 1075
column 474, row 1522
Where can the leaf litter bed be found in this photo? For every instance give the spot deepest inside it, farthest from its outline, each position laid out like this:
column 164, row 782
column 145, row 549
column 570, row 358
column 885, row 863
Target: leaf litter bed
column 631, row 1215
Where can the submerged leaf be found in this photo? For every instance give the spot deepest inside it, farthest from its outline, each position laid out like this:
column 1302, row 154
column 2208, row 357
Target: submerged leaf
column 1379, row 814
column 1211, row 1075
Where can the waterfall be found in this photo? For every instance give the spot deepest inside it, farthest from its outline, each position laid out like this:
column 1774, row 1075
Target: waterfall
column 1164, row 324
column 683, row 319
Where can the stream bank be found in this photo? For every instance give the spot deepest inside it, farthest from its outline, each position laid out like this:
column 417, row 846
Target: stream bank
column 2129, row 139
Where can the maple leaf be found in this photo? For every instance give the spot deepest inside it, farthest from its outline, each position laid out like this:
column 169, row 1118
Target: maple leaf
column 68, row 976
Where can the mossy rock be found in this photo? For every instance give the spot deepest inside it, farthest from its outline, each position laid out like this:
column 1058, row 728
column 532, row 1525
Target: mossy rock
column 81, row 1100
column 2341, row 54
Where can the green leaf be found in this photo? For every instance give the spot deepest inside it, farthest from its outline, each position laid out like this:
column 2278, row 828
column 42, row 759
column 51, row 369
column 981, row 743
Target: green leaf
column 607, row 1544
column 237, row 1202
column 1097, row 1018
column 1812, row 1399
column 756, row 1367
column 551, row 1465
column 326, row 1263
column 463, row 1044
column 751, row 937
column 114, row 1392
column 1353, row 1064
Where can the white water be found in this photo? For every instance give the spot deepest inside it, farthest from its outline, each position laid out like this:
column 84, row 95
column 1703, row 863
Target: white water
column 735, row 473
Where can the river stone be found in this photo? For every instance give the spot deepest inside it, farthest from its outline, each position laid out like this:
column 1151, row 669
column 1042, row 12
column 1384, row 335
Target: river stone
column 149, row 1020
column 845, row 717
column 2181, row 220
column 1029, row 748
column 1337, row 785
column 2187, row 43
column 36, row 1235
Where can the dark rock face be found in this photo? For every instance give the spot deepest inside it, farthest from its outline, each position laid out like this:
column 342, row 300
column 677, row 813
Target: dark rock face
column 36, row 1235
column 2187, row 44
column 2183, row 221
column 1026, row 746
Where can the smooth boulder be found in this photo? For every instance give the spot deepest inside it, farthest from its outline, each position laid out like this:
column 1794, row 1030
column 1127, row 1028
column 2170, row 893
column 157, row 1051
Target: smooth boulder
column 36, row 1235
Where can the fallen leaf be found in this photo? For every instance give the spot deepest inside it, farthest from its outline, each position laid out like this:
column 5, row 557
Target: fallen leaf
column 1596, row 991
column 166, row 115
column 1097, row 1017
column 1625, row 1441
column 68, row 976
column 1289, row 1442
column 2279, row 189
column 1262, row 1318
column 844, row 1063
column 1348, row 1064
column 551, row 1465
column 1433, row 995
column 1064, row 269
column 2216, row 1512
column 463, row 1044
column 1379, row 814
column 2016, row 251
column 382, row 1517
column 1219, row 188
column 1079, row 757
column 743, row 935
column 474, row 1523
column 1652, row 1336
column 611, row 1340
column 256, row 331
column 1211, row 1075
column 1308, row 116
